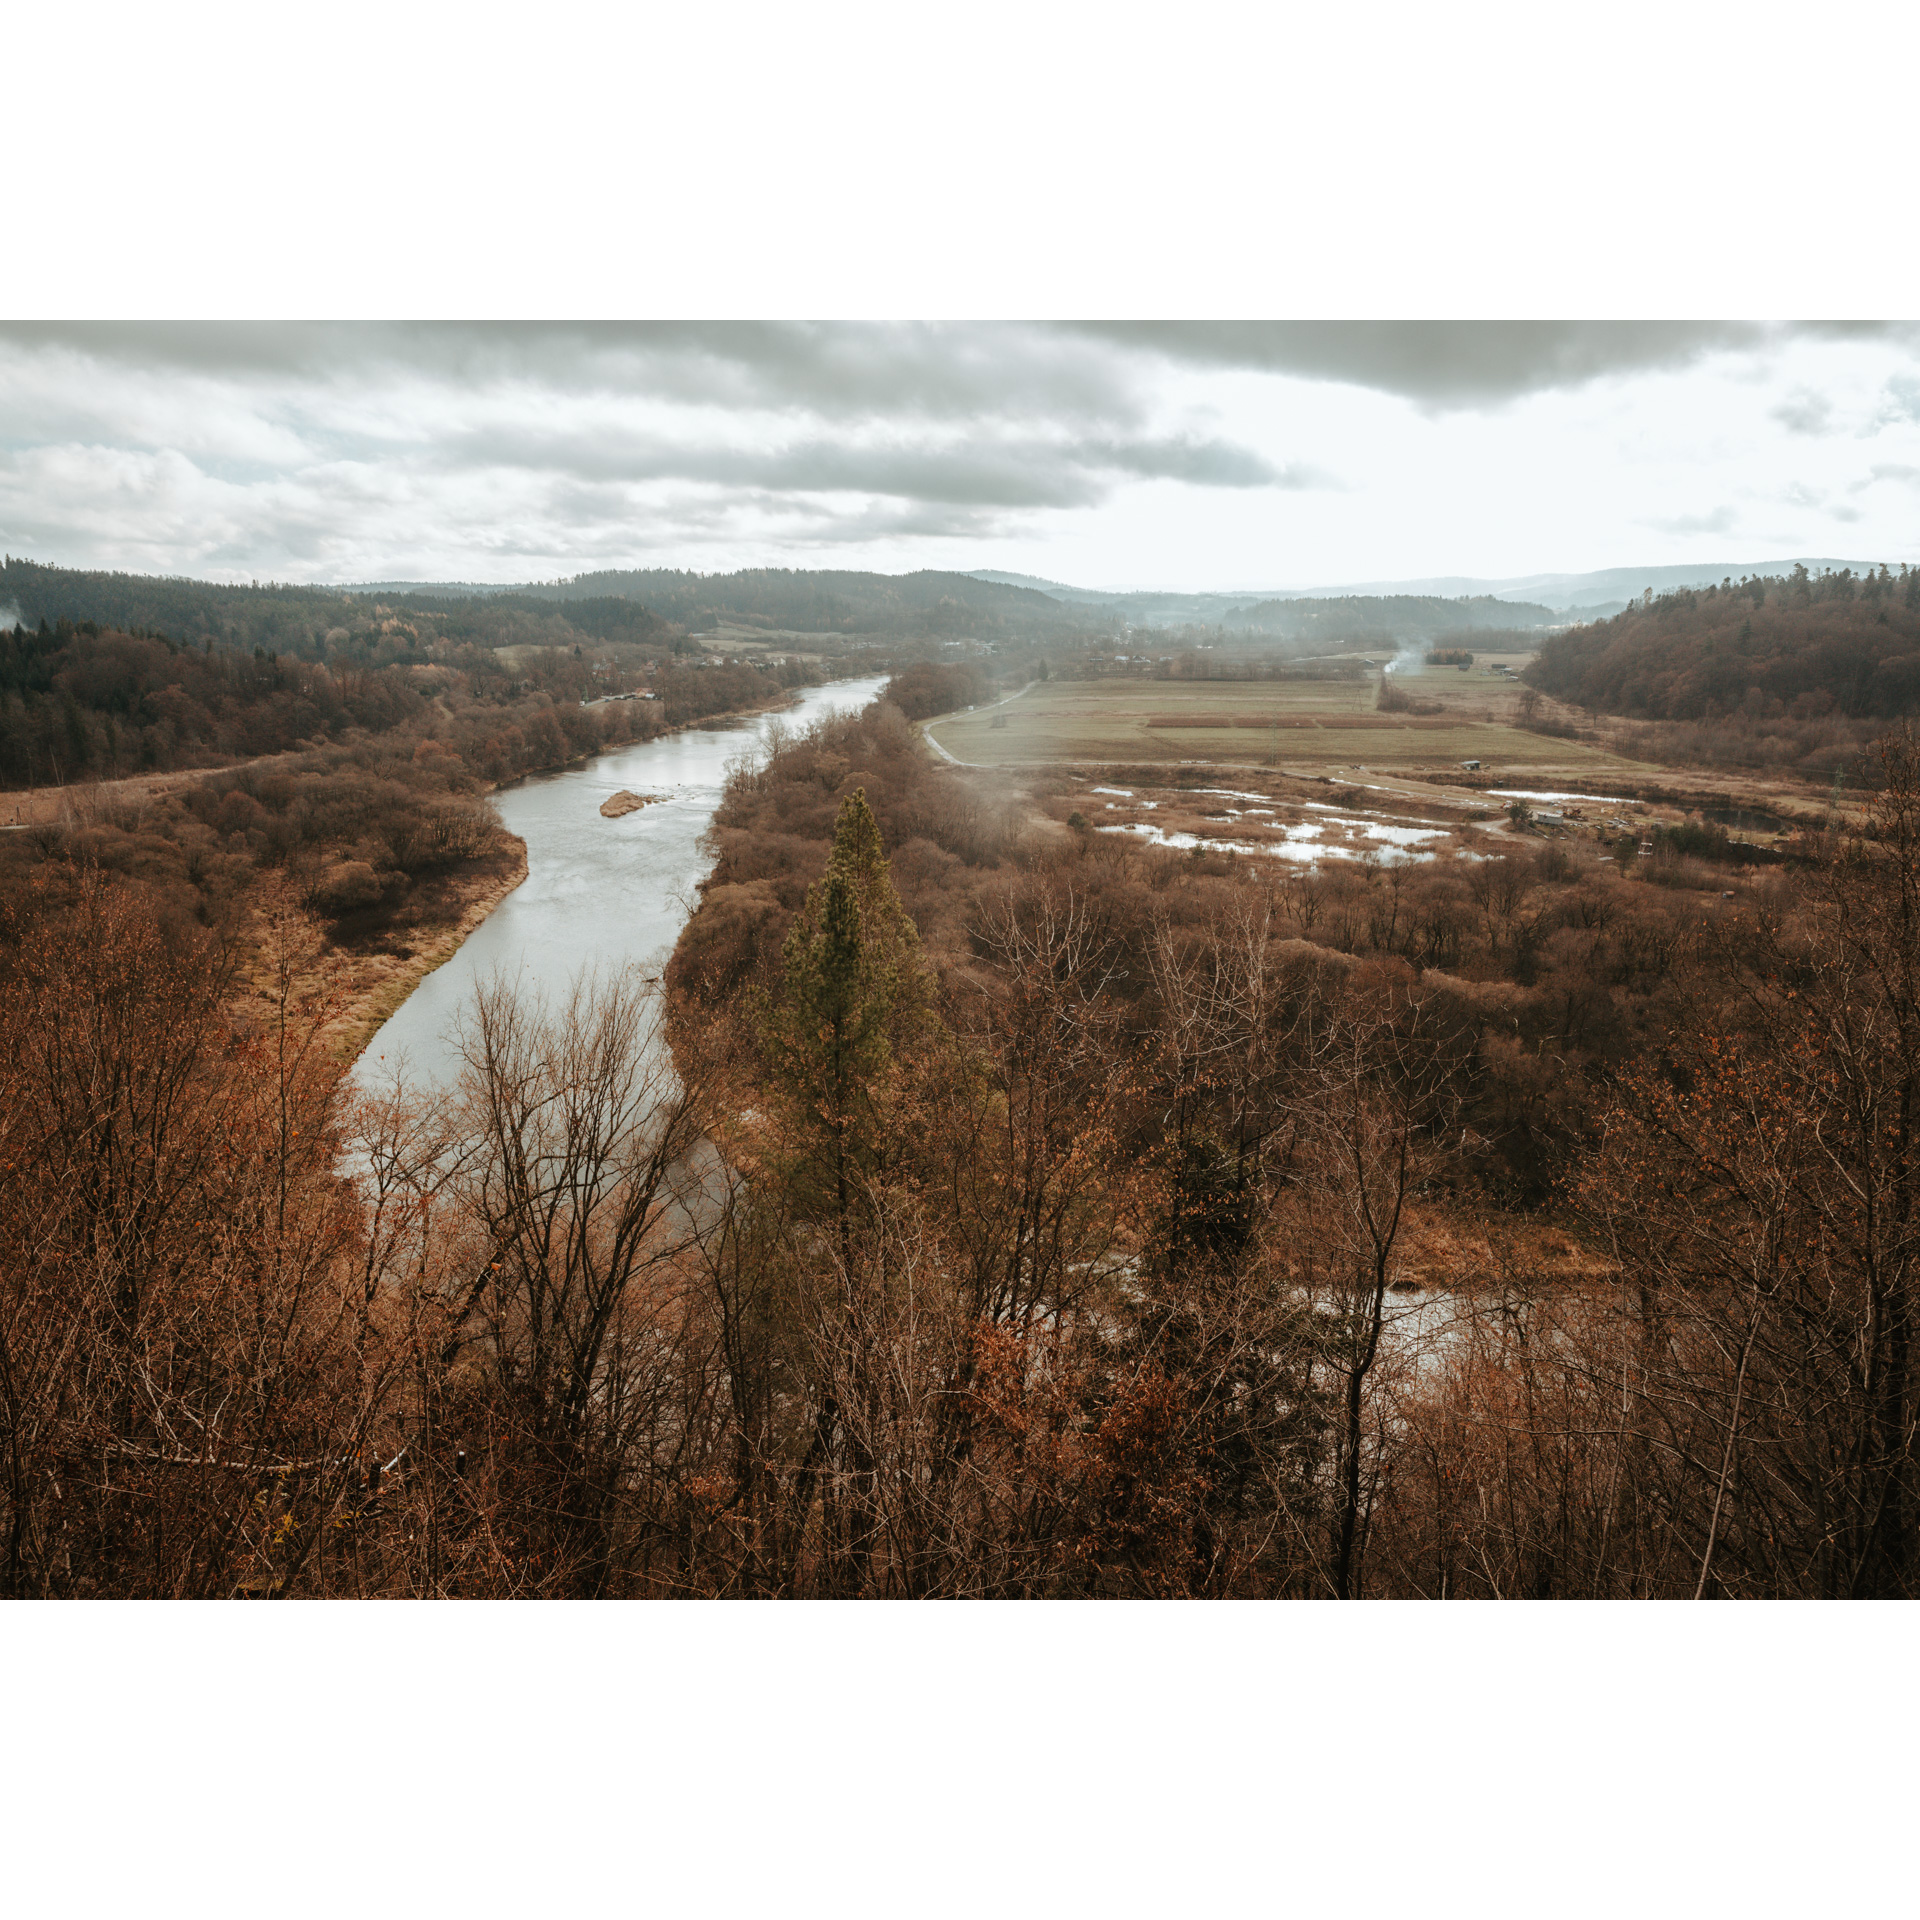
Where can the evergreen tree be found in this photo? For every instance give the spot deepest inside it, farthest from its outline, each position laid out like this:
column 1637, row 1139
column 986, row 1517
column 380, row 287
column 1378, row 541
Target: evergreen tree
column 854, row 993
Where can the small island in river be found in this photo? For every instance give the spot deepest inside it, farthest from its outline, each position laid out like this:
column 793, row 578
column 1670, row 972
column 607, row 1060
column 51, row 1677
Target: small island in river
column 624, row 802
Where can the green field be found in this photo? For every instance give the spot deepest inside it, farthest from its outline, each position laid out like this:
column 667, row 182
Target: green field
column 1161, row 721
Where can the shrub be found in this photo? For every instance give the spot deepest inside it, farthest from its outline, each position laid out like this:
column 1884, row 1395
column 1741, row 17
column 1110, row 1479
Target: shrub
column 345, row 886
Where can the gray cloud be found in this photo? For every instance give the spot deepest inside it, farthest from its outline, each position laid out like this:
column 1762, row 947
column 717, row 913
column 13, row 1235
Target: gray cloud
column 506, row 449
column 1443, row 364
column 1720, row 520
column 1446, row 365
column 1804, row 411
column 838, row 370
column 997, row 417
column 978, row 472
column 861, row 370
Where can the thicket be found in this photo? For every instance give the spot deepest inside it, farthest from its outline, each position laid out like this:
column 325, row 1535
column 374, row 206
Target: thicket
column 1075, row 1218
column 367, row 830
column 1286, row 1088
column 929, row 688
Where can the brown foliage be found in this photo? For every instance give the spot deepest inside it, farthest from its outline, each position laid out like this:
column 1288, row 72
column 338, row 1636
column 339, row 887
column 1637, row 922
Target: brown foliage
column 1212, row 1231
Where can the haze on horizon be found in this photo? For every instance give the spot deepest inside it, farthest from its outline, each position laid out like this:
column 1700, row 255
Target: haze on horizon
column 1175, row 455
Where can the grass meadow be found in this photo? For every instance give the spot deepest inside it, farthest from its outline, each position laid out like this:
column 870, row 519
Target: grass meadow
column 1293, row 726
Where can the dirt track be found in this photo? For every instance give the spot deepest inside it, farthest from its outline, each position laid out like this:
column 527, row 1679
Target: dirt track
column 88, row 799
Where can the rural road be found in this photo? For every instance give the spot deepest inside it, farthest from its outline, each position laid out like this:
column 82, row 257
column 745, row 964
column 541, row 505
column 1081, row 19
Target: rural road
column 927, row 726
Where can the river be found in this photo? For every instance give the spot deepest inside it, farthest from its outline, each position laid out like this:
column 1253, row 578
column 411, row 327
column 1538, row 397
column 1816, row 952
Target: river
column 598, row 892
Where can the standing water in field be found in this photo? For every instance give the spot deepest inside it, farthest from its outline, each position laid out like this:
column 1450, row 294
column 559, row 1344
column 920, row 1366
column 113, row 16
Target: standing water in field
column 599, row 892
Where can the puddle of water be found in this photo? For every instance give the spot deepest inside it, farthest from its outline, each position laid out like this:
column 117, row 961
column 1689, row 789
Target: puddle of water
column 1380, row 829
column 1529, row 793
column 1303, row 841
column 1399, row 836
column 1301, row 844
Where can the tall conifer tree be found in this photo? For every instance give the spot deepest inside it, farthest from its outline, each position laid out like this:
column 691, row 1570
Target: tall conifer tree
column 854, row 992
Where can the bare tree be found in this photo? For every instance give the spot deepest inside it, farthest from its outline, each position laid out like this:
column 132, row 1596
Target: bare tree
column 588, row 1181
column 1375, row 1103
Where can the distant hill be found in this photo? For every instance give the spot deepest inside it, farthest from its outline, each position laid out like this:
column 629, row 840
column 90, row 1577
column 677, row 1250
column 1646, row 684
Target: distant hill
column 1056, row 588
column 311, row 623
column 281, row 619
column 1388, row 618
column 809, row 600
column 790, row 599
column 1147, row 608
column 1796, row 646
column 1588, row 596
column 1615, row 585
column 431, row 589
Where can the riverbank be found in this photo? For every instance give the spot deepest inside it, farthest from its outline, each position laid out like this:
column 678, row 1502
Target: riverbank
column 602, row 891
column 373, row 984
column 82, row 803
column 379, row 983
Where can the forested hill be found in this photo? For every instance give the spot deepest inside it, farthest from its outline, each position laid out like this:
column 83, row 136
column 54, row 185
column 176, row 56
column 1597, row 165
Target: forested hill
column 1799, row 645
column 311, row 623
column 825, row 601
column 80, row 702
column 1389, row 617
column 280, row 619
column 636, row 606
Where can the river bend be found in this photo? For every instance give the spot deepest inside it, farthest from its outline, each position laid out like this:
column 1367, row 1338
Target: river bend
column 598, row 892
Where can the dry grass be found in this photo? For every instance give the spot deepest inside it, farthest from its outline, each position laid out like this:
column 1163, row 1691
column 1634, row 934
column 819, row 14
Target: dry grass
column 1295, row 722
column 378, row 983
column 1310, row 726
column 754, row 646
column 364, row 989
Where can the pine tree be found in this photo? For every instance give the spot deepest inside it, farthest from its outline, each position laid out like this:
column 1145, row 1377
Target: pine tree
column 854, row 996
column 854, row 993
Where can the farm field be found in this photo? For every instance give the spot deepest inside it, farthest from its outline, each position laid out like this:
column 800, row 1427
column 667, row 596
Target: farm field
column 724, row 637
column 1309, row 727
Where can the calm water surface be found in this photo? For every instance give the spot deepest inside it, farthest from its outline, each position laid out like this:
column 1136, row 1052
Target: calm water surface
column 598, row 892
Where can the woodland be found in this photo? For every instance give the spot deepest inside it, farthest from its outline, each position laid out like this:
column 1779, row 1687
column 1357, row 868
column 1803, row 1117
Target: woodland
column 106, row 675
column 356, row 798
column 1796, row 647
column 822, row 600
column 1020, row 1212
column 1388, row 619
column 82, row 703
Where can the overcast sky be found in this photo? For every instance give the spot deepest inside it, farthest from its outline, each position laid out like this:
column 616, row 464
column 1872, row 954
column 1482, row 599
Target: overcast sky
column 1116, row 455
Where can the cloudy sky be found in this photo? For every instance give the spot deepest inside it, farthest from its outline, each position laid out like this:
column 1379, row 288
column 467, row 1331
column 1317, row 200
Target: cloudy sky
column 1136, row 454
